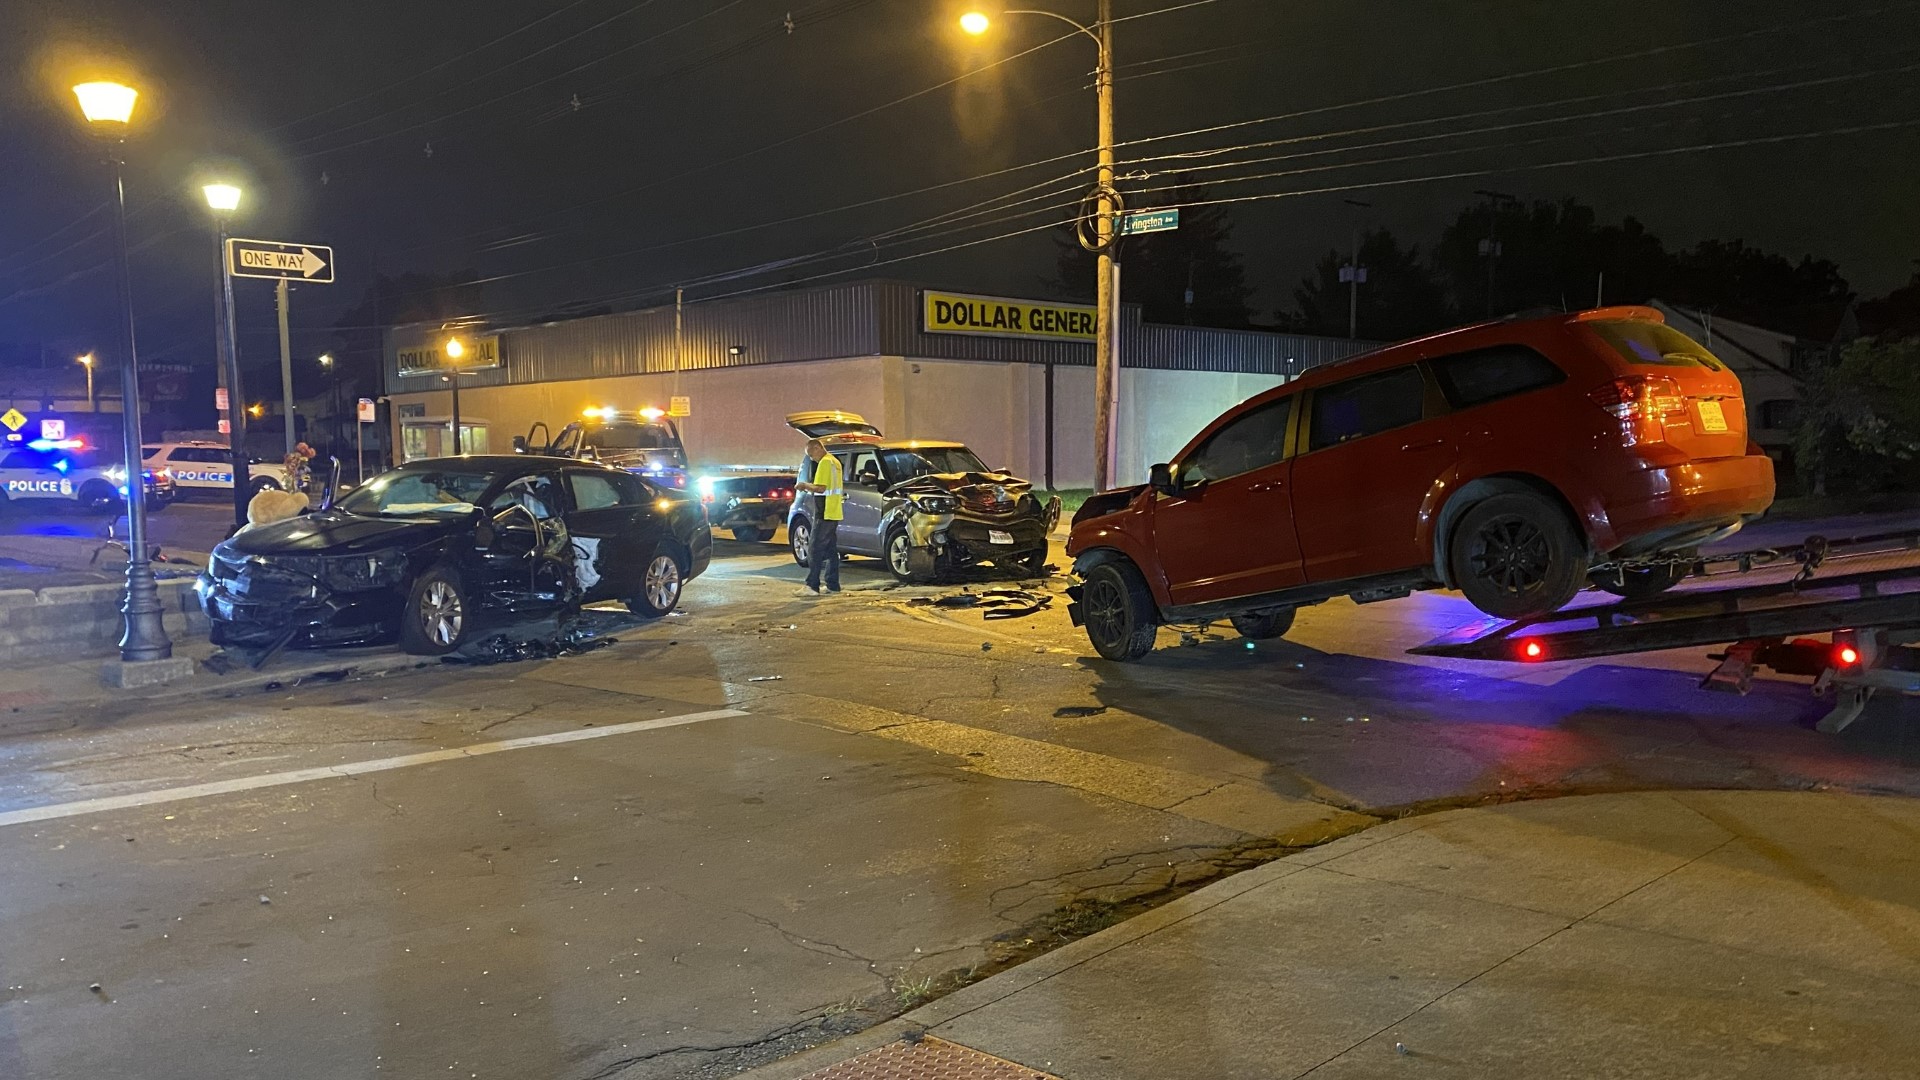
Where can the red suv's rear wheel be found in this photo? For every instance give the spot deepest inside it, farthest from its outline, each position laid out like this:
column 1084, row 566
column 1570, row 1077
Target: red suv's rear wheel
column 1119, row 611
column 1516, row 556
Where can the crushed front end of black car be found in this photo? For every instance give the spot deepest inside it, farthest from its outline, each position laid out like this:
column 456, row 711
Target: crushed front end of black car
column 954, row 520
column 336, row 599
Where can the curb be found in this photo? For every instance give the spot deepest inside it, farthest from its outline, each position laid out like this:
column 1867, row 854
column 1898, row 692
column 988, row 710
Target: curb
column 995, row 988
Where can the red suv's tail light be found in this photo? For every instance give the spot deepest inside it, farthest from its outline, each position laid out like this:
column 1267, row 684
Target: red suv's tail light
column 1641, row 402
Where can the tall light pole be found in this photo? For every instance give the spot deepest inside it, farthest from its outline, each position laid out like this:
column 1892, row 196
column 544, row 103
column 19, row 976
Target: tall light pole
column 325, row 361
column 108, row 107
column 1106, row 285
column 455, row 351
column 87, row 362
column 223, row 200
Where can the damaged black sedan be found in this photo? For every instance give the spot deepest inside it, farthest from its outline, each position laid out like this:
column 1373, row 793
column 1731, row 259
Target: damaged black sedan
column 438, row 552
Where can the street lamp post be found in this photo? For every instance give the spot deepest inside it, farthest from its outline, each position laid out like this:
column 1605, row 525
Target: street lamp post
column 108, row 107
column 1106, row 318
column 1355, row 274
column 87, row 362
column 333, row 399
column 455, row 351
column 223, row 200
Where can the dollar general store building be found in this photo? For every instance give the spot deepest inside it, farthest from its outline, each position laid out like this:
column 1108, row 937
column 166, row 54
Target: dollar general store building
column 1011, row 378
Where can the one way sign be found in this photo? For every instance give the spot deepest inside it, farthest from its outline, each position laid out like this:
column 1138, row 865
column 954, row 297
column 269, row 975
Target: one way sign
column 271, row 259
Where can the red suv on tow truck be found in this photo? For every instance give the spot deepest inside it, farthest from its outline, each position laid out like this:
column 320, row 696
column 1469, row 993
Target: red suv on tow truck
column 1515, row 461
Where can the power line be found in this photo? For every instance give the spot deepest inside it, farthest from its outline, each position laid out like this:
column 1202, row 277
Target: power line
column 516, row 93
column 1516, row 125
column 441, row 66
column 1514, row 76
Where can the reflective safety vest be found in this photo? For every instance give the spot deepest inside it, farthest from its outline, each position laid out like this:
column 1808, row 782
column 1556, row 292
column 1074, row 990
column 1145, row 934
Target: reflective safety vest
column 829, row 474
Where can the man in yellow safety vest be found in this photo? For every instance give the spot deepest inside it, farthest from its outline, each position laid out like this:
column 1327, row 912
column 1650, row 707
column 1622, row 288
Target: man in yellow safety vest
column 829, row 488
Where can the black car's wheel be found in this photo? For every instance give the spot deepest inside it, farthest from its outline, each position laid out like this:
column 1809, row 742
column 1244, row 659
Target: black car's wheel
column 1264, row 625
column 660, row 585
column 1640, row 583
column 800, row 538
column 900, row 555
column 98, row 496
column 1119, row 611
column 1516, row 556
column 438, row 616
column 751, row 534
column 1029, row 563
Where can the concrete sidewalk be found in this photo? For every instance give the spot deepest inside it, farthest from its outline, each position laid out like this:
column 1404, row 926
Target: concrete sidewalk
column 1696, row 934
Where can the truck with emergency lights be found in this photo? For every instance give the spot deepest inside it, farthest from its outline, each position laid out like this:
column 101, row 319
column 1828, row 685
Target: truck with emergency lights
column 646, row 442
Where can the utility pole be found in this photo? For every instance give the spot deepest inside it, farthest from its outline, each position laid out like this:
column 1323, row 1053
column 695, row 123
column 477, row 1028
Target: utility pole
column 1490, row 247
column 286, row 363
column 1106, row 317
column 1353, row 273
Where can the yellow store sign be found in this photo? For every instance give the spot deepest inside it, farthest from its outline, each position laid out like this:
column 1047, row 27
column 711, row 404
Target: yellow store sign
column 478, row 354
column 998, row 316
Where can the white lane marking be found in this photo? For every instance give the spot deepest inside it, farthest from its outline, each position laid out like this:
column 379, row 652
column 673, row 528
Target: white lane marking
column 353, row 768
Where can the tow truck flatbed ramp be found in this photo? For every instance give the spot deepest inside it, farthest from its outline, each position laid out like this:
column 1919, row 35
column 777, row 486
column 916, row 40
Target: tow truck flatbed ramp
column 1864, row 591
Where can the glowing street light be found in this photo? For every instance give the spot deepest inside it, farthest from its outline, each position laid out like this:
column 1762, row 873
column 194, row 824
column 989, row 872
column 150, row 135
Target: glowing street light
column 106, row 102
column 223, row 199
column 108, row 107
column 1106, row 319
column 455, row 350
column 87, row 362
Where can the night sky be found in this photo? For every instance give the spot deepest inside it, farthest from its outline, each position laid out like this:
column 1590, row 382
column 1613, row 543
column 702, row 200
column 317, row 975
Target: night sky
column 602, row 151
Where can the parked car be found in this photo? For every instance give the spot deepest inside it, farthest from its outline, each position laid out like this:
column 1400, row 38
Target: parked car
column 1515, row 461
column 200, row 467
column 440, row 550
column 646, row 442
column 78, row 476
column 926, row 508
column 749, row 503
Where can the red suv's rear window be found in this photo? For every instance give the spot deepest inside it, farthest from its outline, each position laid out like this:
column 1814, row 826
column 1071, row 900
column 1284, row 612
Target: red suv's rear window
column 1655, row 344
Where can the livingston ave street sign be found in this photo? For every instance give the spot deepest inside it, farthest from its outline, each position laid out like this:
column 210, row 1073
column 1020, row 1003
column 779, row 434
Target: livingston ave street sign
column 270, row 259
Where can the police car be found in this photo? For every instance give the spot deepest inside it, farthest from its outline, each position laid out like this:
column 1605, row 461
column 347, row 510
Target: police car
column 63, row 472
column 208, row 466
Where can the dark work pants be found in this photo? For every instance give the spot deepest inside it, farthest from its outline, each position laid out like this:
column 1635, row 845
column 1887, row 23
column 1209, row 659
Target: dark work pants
column 824, row 555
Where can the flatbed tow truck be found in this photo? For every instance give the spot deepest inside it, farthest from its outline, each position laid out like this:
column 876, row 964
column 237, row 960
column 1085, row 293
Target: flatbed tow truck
column 1864, row 592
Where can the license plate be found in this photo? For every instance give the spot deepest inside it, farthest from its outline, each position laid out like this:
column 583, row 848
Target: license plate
column 1712, row 419
column 995, row 536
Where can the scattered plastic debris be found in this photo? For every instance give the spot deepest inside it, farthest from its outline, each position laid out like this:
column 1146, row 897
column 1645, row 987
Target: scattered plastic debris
column 986, row 646
column 1071, row 712
column 95, row 987
column 265, row 900
column 1401, row 1048
column 766, row 678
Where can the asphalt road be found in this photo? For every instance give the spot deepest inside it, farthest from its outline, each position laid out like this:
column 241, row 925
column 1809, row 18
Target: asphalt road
column 194, row 525
column 775, row 817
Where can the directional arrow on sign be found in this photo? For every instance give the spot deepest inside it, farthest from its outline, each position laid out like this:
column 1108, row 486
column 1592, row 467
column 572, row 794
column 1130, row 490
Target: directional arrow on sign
column 278, row 261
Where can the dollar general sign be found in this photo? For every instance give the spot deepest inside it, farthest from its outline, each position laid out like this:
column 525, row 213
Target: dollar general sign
column 998, row 316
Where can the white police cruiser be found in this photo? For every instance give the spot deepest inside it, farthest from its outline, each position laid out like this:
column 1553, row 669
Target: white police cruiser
column 208, row 466
column 74, row 474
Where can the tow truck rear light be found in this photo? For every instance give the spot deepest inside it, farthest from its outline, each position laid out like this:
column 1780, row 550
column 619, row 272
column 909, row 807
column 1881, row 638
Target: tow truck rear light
column 1532, row 649
column 1847, row 655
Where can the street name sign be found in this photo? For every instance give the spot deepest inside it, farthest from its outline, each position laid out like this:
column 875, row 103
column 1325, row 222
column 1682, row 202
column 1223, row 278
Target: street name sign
column 1146, row 221
column 276, row 261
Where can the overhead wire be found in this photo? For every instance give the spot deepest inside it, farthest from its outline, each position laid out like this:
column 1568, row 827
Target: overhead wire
column 1492, row 80
column 441, row 66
